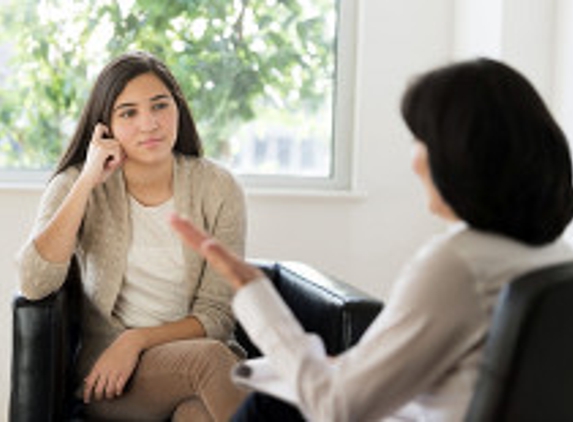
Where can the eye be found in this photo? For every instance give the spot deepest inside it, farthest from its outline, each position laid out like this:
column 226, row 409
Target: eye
column 127, row 113
column 160, row 106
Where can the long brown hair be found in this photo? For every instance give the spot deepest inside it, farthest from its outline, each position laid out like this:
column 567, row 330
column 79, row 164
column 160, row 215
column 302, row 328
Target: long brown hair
column 109, row 84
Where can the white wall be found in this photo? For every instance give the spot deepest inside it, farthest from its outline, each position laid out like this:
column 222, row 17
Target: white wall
column 17, row 209
column 563, row 83
column 365, row 236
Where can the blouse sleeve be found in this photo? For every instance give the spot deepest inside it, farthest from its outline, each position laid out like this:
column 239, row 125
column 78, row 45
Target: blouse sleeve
column 430, row 322
column 39, row 277
column 225, row 218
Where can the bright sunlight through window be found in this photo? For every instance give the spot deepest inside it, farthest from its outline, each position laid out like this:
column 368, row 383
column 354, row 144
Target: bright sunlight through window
column 260, row 75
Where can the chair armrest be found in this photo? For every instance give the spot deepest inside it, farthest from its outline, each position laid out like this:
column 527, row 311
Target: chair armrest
column 45, row 335
column 39, row 358
column 338, row 312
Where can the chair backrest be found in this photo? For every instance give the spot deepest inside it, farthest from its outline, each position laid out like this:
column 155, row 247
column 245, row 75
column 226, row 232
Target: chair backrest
column 527, row 372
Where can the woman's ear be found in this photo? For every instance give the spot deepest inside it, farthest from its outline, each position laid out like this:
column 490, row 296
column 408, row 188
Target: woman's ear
column 421, row 166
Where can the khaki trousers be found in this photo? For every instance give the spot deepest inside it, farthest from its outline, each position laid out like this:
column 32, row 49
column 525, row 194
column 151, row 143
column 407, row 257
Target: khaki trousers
column 186, row 380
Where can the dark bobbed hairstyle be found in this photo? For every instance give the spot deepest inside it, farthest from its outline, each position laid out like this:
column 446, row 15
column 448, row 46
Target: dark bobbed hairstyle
column 496, row 154
column 109, row 84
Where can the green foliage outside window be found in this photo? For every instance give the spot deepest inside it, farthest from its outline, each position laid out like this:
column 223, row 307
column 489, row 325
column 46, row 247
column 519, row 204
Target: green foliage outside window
column 237, row 60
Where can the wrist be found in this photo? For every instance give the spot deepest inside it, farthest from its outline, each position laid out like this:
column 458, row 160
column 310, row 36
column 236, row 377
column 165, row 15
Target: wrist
column 136, row 337
column 86, row 181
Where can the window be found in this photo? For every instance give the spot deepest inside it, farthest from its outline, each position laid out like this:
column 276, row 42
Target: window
column 260, row 76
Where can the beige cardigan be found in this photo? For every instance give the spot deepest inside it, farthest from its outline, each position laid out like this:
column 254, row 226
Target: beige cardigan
column 203, row 191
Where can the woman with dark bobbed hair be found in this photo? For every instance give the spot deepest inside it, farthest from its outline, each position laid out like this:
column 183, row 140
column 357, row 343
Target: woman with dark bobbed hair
column 156, row 323
column 496, row 166
column 496, row 155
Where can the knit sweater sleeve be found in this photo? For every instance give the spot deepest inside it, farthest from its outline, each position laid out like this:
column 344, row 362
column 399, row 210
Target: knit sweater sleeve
column 39, row 277
column 225, row 218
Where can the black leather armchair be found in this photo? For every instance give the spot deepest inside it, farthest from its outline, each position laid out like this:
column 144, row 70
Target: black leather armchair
column 527, row 372
column 45, row 334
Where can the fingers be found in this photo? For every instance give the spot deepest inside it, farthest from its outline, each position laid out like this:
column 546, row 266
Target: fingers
column 190, row 234
column 99, row 387
column 104, row 155
column 233, row 268
column 109, row 375
column 94, row 387
column 88, row 387
column 100, row 131
column 220, row 258
column 120, row 385
column 207, row 246
column 114, row 160
column 101, row 137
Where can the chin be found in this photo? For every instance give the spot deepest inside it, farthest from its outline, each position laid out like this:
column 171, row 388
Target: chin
column 445, row 213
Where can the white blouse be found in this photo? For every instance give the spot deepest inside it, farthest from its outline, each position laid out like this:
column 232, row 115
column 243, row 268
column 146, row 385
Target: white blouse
column 419, row 359
column 154, row 291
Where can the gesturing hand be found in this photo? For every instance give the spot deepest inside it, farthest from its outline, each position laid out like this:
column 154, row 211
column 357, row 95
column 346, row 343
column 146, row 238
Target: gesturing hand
column 113, row 369
column 233, row 268
column 103, row 157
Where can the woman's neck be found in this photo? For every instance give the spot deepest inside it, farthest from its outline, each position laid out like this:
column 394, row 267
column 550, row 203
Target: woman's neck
column 150, row 185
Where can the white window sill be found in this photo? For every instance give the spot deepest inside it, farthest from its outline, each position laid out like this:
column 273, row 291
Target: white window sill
column 270, row 193
column 253, row 192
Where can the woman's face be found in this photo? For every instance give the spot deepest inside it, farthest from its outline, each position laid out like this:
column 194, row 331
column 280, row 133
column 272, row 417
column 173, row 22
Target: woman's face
column 421, row 166
column 145, row 119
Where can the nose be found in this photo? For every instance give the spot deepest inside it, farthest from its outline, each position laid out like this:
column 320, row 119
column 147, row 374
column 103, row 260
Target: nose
column 148, row 122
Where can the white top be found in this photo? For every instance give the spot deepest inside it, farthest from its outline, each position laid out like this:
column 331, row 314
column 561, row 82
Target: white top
column 154, row 291
column 419, row 359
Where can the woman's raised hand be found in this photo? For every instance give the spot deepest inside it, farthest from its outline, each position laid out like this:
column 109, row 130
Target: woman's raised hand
column 230, row 266
column 104, row 156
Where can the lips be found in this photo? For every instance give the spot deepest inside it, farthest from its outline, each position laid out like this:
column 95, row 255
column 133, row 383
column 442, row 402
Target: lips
column 151, row 142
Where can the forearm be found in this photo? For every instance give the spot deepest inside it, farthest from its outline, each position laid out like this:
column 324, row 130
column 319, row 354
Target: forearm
column 186, row 328
column 57, row 240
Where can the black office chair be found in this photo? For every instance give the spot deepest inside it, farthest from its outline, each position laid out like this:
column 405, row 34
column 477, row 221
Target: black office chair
column 46, row 333
column 527, row 373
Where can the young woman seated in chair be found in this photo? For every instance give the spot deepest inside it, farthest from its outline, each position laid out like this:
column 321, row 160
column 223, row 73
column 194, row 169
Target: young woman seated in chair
column 155, row 322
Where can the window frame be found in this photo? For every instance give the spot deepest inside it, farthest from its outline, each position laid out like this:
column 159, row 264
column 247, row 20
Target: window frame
column 342, row 117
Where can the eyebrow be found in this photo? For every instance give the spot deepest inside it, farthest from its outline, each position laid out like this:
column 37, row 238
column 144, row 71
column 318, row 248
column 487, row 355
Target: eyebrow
column 152, row 99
